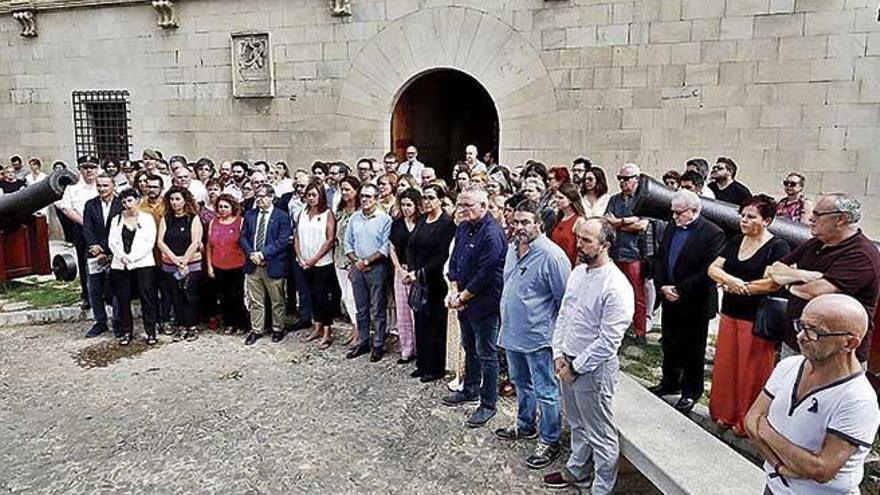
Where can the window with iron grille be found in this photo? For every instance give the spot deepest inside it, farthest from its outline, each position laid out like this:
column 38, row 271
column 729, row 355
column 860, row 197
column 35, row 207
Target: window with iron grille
column 102, row 124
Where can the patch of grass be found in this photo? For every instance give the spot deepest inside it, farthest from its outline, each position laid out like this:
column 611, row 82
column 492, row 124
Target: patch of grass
column 41, row 294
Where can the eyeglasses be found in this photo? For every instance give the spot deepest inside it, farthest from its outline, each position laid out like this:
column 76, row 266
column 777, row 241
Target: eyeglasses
column 810, row 332
column 790, row 183
column 624, row 178
column 367, row 196
column 820, row 214
column 88, row 166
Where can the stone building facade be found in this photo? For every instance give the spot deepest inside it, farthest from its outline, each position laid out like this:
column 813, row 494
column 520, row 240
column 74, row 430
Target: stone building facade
column 779, row 85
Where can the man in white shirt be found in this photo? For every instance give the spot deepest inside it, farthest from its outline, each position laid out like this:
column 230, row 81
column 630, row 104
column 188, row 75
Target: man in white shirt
column 239, row 171
column 817, row 416
column 412, row 165
column 473, row 163
column 72, row 205
column 597, row 308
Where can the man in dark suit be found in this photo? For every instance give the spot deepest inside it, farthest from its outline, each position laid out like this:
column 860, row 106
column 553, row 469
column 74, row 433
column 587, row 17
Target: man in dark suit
column 688, row 296
column 97, row 213
column 264, row 240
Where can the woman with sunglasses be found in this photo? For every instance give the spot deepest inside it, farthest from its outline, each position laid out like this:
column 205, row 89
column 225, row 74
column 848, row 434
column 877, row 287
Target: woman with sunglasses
column 794, row 206
column 131, row 240
column 426, row 254
column 743, row 362
column 595, row 192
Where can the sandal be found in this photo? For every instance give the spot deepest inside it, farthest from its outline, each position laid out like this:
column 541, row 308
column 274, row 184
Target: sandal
column 325, row 344
column 178, row 335
column 166, row 329
column 125, row 340
column 310, row 337
column 151, row 340
column 190, row 334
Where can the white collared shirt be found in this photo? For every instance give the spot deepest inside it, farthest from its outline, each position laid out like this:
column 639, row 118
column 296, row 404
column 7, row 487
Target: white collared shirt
column 105, row 208
column 76, row 196
column 596, row 310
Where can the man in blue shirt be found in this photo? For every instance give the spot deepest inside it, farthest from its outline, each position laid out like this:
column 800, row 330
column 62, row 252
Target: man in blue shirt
column 366, row 246
column 535, row 273
column 476, row 279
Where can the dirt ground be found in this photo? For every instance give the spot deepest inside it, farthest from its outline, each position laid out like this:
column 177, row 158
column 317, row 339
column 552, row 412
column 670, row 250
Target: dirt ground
column 214, row 416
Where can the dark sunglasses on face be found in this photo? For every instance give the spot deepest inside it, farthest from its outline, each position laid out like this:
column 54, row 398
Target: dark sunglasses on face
column 88, row 166
column 718, row 167
column 790, row 183
column 623, row 178
column 367, row 196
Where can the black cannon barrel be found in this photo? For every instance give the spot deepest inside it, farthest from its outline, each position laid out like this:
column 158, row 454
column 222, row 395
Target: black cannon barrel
column 653, row 199
column 17, row 207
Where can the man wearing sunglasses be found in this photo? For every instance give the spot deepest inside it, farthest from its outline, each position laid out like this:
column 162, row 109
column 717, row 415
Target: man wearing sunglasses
column 817, row 416
column 724, row 185
column 72, row 205
column 625, row 249
column 849, row 263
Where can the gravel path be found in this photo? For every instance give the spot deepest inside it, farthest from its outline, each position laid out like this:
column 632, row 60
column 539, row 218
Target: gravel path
column 214, row 416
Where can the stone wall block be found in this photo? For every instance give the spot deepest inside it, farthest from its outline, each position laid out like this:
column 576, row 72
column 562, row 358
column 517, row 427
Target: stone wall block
column 778, row 25
column 705, row 29
column 635, row 77
column 701, row 74
column 873, row 44
column 705, row 118
column 666, row 75
column 818, row 5
column 852, row 183
column 744, row 117
column 829, row 22
column 866, row 19
column 702, row 9
column 774, row 72
column 758, row 139
column 862, row 138
column 859, row 115
column 830, row 161
column 624, row 56
column 848, row 45
column 614, row 34
column 579, row 37
column 670, row 32
column 832, row 69
column 868, row 68
column 747, row 7
column 801, row 94
column 803, row 47
column 869, row 91
column 719, row 51
column 798, row 139
column 781, row 6
column 780, row 116
column 738, row 28
column 655, row 54
column 723, row 96
column 683, row 53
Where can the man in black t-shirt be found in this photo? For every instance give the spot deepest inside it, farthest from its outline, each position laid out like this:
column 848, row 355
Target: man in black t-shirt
column 10, row 182
column 724, row 184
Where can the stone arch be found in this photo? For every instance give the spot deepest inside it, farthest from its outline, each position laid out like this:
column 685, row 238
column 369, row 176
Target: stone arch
column 452, row 37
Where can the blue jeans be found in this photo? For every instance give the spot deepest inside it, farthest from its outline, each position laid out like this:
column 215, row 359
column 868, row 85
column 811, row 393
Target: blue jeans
column 370, row 299
column 532, row 374
column 478, row 338
column 302, row 292
column 96, row 285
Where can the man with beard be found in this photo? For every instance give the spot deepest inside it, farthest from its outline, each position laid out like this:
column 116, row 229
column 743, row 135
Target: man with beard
column 596, row 310
column 817, row 416
column 535, row 272
column 239, row 177
column 579, row 168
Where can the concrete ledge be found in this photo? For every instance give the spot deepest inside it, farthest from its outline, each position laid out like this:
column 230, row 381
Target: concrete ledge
column 678, row 456
column 66, row 314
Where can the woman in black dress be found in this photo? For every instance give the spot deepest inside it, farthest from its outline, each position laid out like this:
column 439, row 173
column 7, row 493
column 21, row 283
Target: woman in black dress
column 426, row 253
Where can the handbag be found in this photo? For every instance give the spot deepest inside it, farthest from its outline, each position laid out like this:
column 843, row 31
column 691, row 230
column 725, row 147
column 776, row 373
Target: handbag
column 418, row 293
column 770, row 318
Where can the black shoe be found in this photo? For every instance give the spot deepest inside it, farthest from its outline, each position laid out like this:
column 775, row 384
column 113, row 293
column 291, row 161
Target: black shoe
column 514, row 433
column 543, row 456
column 96, row 330
column 277, row 336
column 661, row 390
column 429, row 378
column 251, row 338
column 479, row 417
column 376, row 355
column 357, row 351
column 85, row 305
column 301, row 324
column 416, row 373
column 458, row 399
column 406, row 360
column 685, row 404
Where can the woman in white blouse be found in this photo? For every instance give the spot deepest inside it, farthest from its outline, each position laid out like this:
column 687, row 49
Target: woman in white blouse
column 131, row 241
column 595, row 192
column 313, row 242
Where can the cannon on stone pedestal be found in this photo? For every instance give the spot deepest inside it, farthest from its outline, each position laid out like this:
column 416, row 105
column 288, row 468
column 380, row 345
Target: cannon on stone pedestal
column 24, row 237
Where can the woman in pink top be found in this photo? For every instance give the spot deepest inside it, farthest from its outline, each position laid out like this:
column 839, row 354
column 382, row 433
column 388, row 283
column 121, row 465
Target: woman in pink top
column 225, row 261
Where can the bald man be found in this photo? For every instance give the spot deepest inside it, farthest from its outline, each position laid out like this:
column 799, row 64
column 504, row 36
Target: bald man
column 817, row 415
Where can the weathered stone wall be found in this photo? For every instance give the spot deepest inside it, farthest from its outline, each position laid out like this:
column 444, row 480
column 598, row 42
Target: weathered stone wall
column 779, row 85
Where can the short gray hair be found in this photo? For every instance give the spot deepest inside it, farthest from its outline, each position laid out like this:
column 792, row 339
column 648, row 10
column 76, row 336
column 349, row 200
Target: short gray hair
column 478, row 193
column 689, row 198
column 847, row 205
column 632, row 168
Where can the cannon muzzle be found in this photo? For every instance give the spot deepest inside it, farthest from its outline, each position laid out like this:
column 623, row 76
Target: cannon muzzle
column 18, row 207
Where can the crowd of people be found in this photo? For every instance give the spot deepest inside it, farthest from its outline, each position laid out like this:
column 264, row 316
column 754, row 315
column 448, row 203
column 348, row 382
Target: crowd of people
column 547, row 264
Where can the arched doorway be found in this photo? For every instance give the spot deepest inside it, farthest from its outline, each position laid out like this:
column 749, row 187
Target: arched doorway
column 441, row 112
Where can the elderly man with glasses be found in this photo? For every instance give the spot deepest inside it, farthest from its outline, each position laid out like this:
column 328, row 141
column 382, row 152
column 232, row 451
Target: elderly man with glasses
column 366, row 246
column 838, row 259
column 625, row 249
column 817, row 415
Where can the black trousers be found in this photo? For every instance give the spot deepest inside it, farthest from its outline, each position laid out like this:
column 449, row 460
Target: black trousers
column 184, row 300
column 230, row 285
column 208, row 295
column 684, row 349
column 323, row 286
column 144, row 279
column 163, row 296
column 82, row 267
column 430, row 329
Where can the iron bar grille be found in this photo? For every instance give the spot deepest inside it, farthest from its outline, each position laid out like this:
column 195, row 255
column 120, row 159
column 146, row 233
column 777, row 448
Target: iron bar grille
column 102, row 124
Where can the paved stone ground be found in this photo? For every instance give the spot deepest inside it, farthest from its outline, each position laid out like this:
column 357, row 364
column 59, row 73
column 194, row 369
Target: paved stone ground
column 213, row 416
